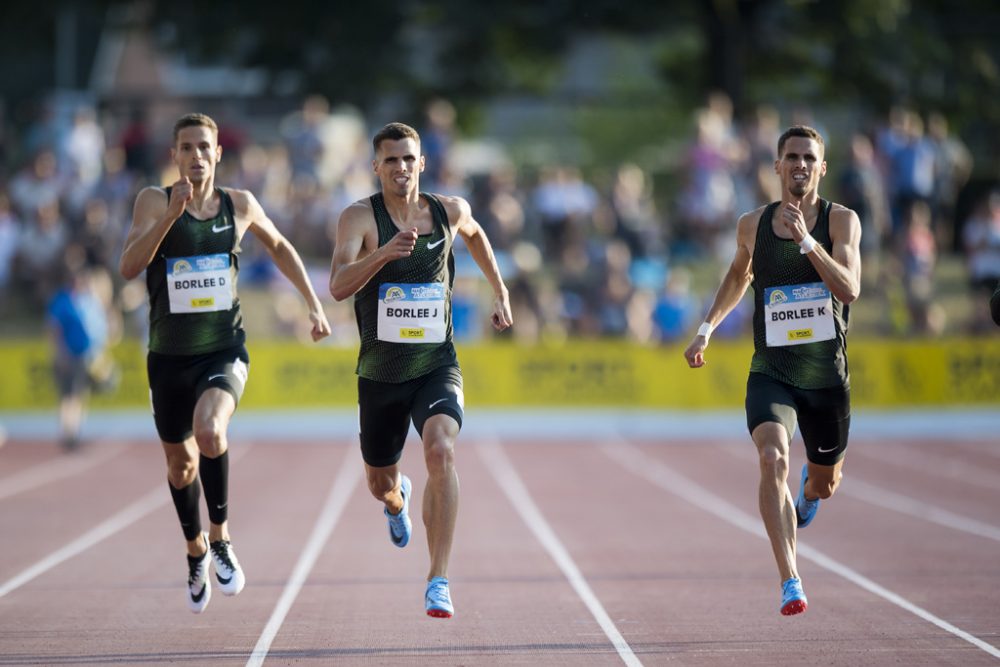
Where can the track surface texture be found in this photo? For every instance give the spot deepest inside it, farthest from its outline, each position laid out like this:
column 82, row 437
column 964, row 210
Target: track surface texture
column 584, row 541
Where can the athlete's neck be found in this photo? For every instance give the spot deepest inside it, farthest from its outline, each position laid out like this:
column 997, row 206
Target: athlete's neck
column 202, row 194
column 805, row 203
column 404, row 209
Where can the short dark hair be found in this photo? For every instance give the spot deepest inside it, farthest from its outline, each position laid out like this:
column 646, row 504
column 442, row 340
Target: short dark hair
column 799, row 131
column 194, row 120
column 394, row 132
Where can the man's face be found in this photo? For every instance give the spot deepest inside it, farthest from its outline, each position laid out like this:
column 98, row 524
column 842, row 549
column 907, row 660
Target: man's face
column 196, row 153
column 801, row 166
column 398, row 164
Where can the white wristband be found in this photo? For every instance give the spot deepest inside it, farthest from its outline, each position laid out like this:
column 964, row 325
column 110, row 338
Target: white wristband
column 705, row 330
column 807, row 244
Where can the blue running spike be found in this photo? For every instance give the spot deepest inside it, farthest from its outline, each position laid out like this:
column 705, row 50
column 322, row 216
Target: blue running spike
column 400, row 525
column 805, row 510
column 793, row 600
column 437, row 599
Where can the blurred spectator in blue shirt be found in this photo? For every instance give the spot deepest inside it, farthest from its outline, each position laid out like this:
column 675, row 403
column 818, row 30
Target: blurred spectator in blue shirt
column 78, row 322
column 9, row 231
column 677, row 307
column 436, row 139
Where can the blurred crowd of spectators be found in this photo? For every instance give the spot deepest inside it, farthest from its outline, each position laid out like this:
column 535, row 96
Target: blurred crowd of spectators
column 601, row 255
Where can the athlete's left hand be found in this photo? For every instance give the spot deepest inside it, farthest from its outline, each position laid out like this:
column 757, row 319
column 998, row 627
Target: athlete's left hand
column 501, row 318
column 321, row 327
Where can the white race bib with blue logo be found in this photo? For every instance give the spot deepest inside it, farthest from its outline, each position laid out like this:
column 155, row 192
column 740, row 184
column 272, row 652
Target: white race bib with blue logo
column 199, row 284
column 798, row 314
column 411, row 312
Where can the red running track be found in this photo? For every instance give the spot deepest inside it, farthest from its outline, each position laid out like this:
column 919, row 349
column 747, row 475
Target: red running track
column 567, row 552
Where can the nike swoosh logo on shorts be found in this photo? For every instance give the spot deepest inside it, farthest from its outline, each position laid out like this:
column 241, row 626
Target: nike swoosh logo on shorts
column 431, row 406
column 431, row 246
column 826, row 451
column 217, row 229
column 217, row 375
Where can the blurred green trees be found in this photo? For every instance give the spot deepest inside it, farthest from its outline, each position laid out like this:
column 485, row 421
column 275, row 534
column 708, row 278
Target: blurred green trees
column 857, row 54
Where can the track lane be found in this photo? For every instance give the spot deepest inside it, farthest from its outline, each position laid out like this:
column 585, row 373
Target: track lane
column 682, row 587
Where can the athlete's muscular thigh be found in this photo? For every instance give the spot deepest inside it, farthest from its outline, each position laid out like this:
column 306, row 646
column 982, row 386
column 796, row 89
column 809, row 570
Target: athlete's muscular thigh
column 383, row 420
column 825, row 421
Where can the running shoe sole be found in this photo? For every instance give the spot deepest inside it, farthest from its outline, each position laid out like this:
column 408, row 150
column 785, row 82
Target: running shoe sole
column 439, row 613
column 794, row 607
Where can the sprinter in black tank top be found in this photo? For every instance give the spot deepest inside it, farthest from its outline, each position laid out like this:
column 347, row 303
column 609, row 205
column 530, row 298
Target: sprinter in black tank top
column 187, row 239
column 801, row 255
column 393, row 254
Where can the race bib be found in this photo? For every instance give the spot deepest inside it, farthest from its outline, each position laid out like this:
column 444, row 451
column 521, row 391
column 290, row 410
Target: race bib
column 411, row 312
column 798, row 314
column 199, row 284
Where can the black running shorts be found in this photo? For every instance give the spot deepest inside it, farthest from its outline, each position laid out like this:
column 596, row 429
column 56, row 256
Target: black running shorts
column 824, row 415
column 177, row 381
column 385, row 410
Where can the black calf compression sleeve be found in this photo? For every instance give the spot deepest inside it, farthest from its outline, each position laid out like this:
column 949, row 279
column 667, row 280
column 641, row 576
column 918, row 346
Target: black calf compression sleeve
column 186, row 503
column 215, row 480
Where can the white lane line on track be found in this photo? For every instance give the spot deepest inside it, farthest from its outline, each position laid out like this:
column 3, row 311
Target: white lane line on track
column 917, row 508
column 520, row 498
column 123, row 519
column 633, row 459
column 102, row 531
column 875, row 495
column 340, row 493
column 54, row 470
column 948, row 467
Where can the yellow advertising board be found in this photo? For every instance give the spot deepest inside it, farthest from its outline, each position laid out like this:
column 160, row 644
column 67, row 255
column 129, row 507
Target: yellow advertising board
column 884, row 374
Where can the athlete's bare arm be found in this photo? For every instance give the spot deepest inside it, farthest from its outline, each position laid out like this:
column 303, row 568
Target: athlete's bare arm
column 357, row 256
column 841, row 270
column 461, row 220
column 152, row 217
column 734, row 284
column 250, row 217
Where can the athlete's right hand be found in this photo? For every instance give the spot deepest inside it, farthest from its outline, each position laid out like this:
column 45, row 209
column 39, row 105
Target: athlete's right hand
column 401, row 245
column 695, row 352
column 320, row 325
column 180, row 194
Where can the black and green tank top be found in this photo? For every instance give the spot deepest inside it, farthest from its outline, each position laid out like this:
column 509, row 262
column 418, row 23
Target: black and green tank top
column 407, row 303
column 791, row 299
column 193, row 304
